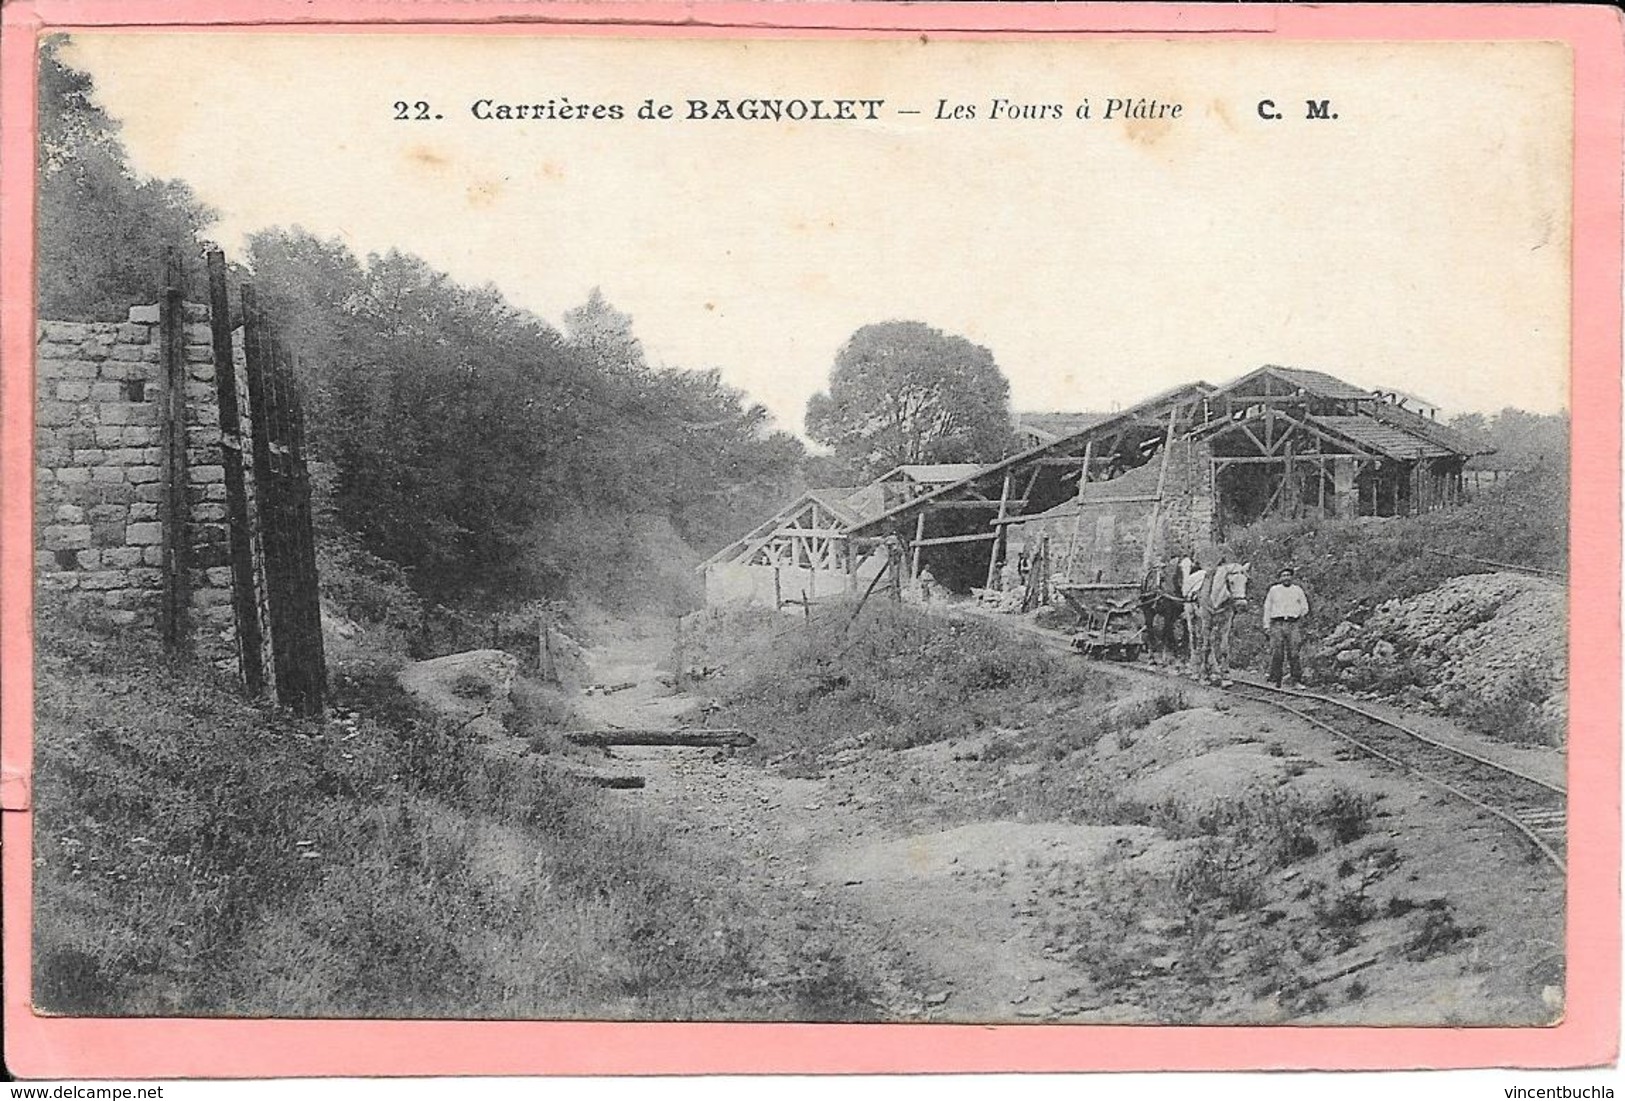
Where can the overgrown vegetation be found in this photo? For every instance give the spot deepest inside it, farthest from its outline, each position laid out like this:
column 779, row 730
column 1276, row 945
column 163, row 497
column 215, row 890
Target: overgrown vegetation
column 195, row 854
column 1349, row 567
column 1355, row 564
column 891, row 677
column 491, row 457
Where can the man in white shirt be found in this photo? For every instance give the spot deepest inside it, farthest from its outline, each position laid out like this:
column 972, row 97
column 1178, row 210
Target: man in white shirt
column 1285, row 609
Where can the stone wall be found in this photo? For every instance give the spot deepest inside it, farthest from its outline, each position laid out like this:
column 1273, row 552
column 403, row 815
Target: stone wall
column 99, row 470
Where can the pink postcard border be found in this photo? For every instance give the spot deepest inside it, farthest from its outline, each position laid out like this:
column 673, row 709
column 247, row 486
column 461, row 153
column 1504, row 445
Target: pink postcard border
column 46, row 1047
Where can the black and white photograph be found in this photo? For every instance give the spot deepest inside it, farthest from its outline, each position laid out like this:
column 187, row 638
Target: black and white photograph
column 888, row 529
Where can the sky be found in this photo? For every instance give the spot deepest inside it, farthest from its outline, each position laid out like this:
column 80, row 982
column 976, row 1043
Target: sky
column 1419, row 240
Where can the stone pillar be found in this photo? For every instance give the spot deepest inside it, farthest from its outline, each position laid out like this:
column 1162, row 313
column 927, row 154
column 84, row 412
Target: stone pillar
column 1345, row 505
column 98, row 470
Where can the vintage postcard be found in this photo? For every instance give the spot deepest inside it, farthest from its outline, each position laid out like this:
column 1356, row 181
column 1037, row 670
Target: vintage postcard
column 658, row 526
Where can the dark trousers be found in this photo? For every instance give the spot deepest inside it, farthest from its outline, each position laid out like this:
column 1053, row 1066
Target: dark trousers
column 1285, row 637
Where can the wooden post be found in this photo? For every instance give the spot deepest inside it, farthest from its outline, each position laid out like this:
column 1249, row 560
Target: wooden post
column 919, row 537
column 267, row 489
column 1151, row 531
column 778, row 591
column 244, row 606
column 1001, row 531
column 310, row 656
column 176, row 516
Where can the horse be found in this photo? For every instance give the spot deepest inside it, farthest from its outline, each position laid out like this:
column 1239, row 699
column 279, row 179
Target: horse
column 1223, row 593
column 1160, row 597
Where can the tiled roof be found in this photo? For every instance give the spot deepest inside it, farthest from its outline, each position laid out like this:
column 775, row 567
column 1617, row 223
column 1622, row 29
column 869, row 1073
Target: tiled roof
column 1426, row 427
column 1319, row 383
column 1384, row 439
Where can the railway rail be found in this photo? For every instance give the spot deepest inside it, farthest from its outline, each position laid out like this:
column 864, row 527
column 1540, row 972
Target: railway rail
column 1535, row 809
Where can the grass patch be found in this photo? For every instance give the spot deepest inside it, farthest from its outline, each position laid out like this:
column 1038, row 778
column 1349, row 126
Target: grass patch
column 197, row 855
column 892, row 677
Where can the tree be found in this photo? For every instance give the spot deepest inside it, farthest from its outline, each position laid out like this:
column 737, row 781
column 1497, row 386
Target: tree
column 904, row 392
column 103, row 230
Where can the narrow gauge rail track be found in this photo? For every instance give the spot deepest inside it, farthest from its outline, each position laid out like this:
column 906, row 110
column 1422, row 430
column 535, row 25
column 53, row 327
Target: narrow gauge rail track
column 1536, row 809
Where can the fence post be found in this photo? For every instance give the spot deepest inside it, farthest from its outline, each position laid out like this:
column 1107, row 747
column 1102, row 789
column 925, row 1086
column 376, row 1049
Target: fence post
column 267, row 490
column 245, row 608
column 176, row 510
column 306, row 591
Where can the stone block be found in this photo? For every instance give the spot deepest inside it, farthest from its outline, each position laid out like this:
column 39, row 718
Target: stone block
column 119, row 493
column 199, row 353
column 207, row 414
column 195, row 311
column 128, row 412
column 109, row 435
column 204, row 456
column 105, row 475
column 210, row 512
column 139, row 435
column 102, row 580
column 45, row 562
column 52, row 456
column 61, row 582
column 144, row 510
column 204, row 372
column 211, row 598
column 140, row 475
column 88, row 559
column 125, row 456
column 211, row 555
column 147, row 576
column 210, row 533
column 103, row 391
column 133, row 353
column 55, row 413
column 145, row 315
column 108, row 534
column 152, row 556
column 55, row 350
column 60, row 330
column 48, row 368
column 108, row 513
column 73, row 475
column 198, row 332
column 122, row 558
column 88, row 456
column 66, row 537
column 69, row 514
column 94, row 350
column 203, row 475
column 146, row 534
column 134, row 333
column 219, row 576
column 123, row 617
column 73, row 389
column 152, row 491
column 78, row 368
column 76, row 435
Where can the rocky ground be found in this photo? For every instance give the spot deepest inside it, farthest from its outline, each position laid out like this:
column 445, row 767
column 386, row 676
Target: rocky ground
column 1490, row 648
column 1007, row 881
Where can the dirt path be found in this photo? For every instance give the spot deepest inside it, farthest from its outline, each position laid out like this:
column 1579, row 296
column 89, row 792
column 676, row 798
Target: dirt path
column 958, row 907
column 925, row 856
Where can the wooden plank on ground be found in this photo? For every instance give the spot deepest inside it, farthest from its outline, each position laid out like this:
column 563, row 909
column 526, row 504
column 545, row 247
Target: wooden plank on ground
column 693, row 737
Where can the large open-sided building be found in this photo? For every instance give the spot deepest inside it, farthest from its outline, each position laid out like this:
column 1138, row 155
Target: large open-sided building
column 1179, row 469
